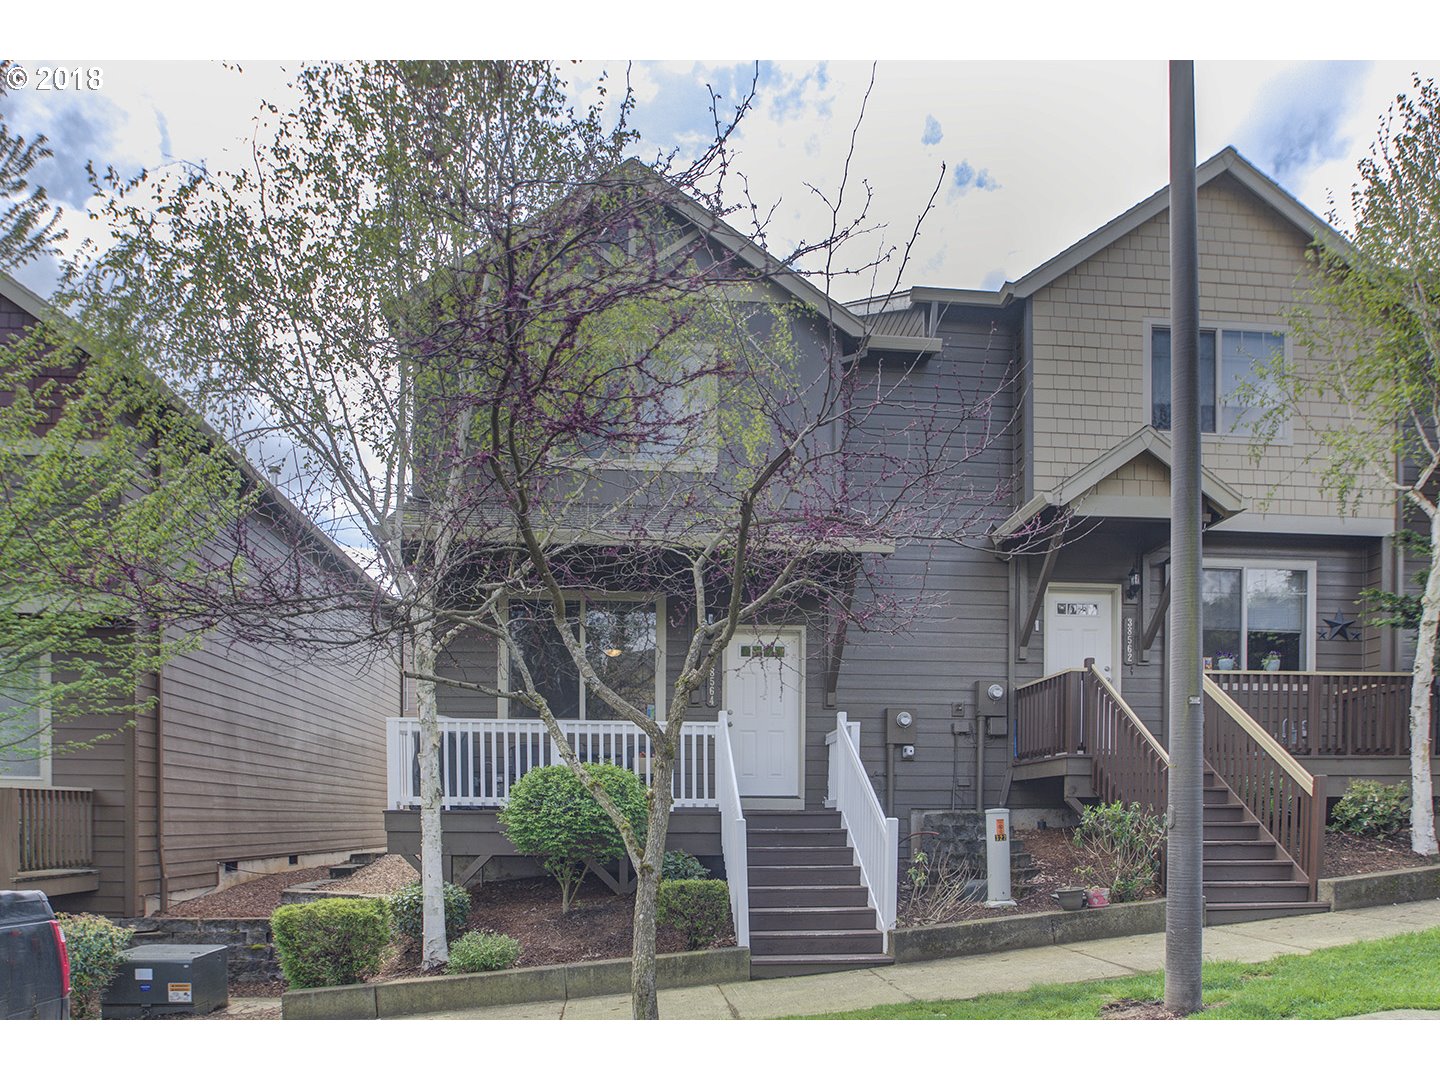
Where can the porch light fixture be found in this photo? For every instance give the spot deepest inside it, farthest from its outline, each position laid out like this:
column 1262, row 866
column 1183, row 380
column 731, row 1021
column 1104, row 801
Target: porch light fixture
column 1132, row 582
column 612, row 653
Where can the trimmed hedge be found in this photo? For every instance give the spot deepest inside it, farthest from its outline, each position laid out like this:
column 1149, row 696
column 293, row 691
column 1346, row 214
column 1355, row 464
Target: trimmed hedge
column 94, row 944
column 330, row 942
column 552, row 817
column 407, row 910
column 482, row 952
column 701, row 909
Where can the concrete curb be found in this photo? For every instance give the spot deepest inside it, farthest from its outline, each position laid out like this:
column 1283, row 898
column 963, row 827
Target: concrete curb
column 1028, row 931
column 561, row 982
column 309, row 891
column 1381, row 887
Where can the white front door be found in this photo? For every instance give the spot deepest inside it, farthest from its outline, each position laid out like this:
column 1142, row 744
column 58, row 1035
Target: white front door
column 763, row 681
column 1080, row 623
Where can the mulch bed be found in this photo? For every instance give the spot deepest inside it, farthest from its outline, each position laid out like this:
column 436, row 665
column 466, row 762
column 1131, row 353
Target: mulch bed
column 255, row 899
column 1135, row 1009
column 1346, row 855
column 597, row 926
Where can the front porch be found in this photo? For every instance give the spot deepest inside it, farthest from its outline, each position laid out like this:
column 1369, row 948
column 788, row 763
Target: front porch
column 839, row 873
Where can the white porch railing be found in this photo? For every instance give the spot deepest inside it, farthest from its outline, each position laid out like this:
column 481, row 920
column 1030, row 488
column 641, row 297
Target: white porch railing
column 874, row 838
column 481, row 759
column 733, row 840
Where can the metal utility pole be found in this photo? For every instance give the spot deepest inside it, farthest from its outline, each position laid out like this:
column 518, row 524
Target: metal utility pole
column 1185, row 906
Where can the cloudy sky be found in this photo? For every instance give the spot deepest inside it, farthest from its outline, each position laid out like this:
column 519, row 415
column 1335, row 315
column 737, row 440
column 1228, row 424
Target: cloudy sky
column 1029, row 155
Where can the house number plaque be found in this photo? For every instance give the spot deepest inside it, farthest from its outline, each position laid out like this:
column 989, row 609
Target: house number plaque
column 1127, row 638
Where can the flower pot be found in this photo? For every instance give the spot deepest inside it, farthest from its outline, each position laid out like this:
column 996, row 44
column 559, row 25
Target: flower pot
column 1272, row 665
column 1097, row 897
column 1225, row 665
column 1072, row 899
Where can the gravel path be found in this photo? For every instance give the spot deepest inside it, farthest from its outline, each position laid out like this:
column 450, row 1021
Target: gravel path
column 381, row 877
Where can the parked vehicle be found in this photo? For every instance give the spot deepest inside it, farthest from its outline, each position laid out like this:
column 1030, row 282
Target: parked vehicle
column 34, row 963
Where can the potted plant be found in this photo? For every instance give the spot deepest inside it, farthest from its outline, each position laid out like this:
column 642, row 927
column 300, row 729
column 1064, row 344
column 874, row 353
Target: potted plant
column 1225, row 661
column 1271, row 662
column 1070, row 897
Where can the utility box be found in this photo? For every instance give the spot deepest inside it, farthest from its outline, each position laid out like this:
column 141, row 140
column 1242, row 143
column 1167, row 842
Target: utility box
column 900, row 726
column 160, row 980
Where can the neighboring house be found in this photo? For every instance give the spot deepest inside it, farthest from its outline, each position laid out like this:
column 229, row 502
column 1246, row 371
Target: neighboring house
column 245, row 760
column 994, row 678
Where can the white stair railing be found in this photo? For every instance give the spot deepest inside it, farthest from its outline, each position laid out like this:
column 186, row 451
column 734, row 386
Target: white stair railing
column 733, row 841
column 874, row 838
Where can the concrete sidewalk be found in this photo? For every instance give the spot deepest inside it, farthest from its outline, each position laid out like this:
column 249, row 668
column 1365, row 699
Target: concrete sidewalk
column 971, row 976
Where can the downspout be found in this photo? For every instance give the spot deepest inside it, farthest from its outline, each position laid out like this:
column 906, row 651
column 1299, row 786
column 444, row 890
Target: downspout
column 160, row 865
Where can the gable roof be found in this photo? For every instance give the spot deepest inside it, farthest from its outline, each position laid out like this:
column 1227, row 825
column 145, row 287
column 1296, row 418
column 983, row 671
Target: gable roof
column 1228, row 162
column 1080, row 491
column 43, row 311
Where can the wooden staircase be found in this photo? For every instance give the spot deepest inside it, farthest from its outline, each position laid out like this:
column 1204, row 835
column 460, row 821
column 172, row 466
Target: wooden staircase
column 1246, row 875
column 810, row 911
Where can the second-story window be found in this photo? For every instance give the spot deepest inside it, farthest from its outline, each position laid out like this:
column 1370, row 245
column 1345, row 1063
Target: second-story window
column 1230, row 359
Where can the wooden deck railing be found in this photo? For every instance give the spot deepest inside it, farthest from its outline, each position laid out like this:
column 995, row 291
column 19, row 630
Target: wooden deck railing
column 1328, row 714
column 1047, row 716
column 1286, row 799
column 45, row 829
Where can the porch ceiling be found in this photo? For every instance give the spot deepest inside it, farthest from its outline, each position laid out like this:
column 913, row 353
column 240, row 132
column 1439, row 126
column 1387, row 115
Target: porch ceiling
column 1130, row 480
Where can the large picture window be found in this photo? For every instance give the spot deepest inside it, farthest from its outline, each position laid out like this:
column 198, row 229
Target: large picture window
column 1229, row 359
column 1251, row 612
column 621, row 642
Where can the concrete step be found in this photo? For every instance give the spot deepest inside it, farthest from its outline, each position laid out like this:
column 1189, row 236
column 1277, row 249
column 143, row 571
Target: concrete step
column 777, row 967
column 800, row 856
column 804, row 875
column 1225, row 914
column 812, row 918
column 816, row 943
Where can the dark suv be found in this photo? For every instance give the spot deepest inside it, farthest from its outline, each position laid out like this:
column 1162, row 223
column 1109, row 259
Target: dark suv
column 34, row 965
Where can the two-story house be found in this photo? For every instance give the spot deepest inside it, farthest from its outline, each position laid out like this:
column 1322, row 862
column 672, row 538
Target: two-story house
column 986, row 699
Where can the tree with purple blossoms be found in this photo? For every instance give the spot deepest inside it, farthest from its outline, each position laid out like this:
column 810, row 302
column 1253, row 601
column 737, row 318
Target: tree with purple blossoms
column 511, row 366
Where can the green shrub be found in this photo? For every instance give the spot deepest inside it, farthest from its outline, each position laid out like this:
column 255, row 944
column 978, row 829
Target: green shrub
column 551, row 816
column 1369, row 808
column 682, row 866
column 407, row 910
column 94, row 944
column 482, row 952
column 330, row 942
column 700, row 909
column 1124, row 843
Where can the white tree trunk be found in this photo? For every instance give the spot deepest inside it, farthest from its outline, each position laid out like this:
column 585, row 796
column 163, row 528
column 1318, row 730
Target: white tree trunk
column 435, row 950
column 1422, row 805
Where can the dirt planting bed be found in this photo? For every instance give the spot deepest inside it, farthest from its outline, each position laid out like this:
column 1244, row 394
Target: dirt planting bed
column 1346, row 855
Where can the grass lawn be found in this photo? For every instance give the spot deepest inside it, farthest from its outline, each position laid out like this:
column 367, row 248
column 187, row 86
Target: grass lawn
column 1369, row 976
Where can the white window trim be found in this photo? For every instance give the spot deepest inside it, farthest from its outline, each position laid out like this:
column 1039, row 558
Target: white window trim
column 502, row 704
column 47, row 759
column 1283, row 437
column 1309, row 567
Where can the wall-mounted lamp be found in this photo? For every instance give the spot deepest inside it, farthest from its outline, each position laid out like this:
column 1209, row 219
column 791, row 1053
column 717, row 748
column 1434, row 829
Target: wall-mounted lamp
column 1132, row 582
